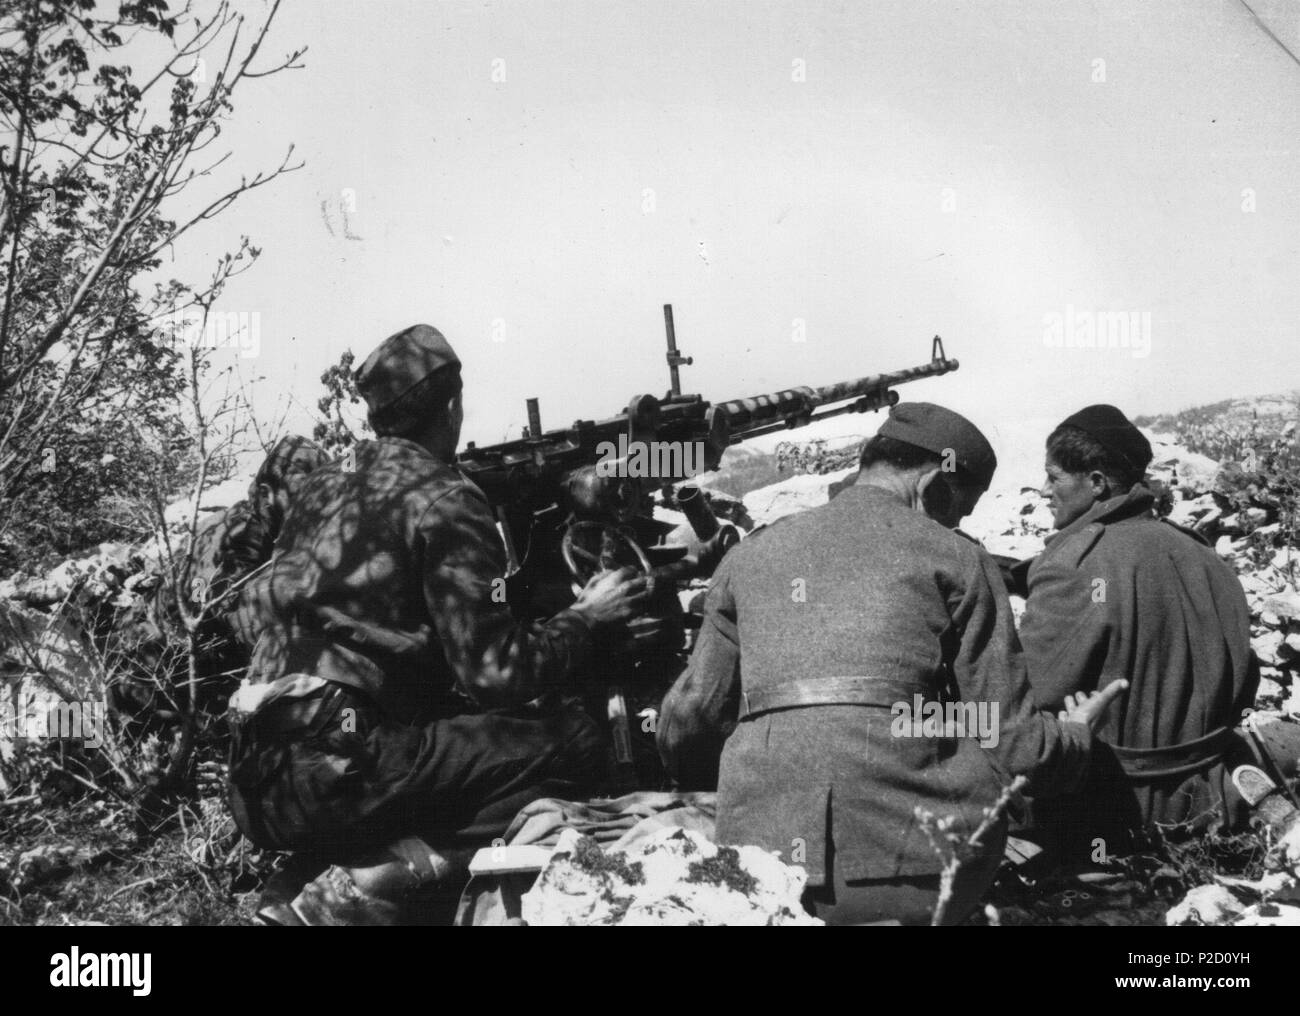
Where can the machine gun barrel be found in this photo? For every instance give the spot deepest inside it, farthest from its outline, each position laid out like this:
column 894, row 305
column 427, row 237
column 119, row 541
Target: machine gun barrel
column 795, row 407
column 563, row 467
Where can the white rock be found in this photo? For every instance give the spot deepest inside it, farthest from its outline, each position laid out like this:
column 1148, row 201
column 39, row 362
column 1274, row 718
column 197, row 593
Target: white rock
column 1269, row 915
column 1272, row 882
column 1181, row 469
column 1256, row 517
column 44, row 864
column 1195, row 511
column 1253, row 583
column 1266, row 647
column 1208, row 520
column 1284, row 559
column 658, row 883
column 797, row 494
column 1284, row 604
column 1287, row 849
column 1269, row 689
column 1206, row 904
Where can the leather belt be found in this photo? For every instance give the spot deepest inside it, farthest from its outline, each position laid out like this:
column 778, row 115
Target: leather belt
column 828, row 691
column 1174, row 759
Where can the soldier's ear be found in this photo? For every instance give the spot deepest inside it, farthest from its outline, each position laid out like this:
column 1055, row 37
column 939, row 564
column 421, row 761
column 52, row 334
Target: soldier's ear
column 1100, row 485
column 933, row 493
column 926, row 475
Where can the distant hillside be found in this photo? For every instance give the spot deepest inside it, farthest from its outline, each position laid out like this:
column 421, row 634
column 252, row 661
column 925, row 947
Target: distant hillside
column 1221, row 429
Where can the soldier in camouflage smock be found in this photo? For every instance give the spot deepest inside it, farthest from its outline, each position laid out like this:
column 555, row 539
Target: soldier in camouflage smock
column 393, row 699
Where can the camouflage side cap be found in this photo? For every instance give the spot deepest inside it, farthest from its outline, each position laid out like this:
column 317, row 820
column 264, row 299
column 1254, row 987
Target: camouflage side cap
column 401, row 362
column 939, row 430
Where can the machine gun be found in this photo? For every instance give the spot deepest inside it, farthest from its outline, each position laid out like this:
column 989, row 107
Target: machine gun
column 575, row 501
column 600, row 471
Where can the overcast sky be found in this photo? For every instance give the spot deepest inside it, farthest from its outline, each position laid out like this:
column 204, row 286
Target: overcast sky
column 538, row 179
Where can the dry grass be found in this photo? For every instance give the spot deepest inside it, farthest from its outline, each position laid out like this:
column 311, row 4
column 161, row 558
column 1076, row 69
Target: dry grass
column 188, row 866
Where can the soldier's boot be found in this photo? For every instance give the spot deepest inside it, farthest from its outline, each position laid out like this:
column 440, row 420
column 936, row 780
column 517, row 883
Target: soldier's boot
column 274, row 907
column 1274, row 811
column 333, row 899
column 374, row 889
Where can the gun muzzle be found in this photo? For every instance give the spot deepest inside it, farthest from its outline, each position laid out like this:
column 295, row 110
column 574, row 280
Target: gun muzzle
column 712, row 538
column 692, row 503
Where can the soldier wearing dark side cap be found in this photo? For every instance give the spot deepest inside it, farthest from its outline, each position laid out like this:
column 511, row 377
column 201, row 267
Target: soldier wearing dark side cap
column 829, row 641
column 389, row 722
column 1120, row 595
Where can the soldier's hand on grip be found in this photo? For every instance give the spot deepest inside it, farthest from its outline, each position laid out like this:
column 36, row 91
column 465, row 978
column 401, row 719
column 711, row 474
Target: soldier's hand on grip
column 612, row 596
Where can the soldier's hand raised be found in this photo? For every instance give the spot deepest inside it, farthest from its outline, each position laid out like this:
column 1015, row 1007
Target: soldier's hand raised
column 612, row 596
column 1090, row 707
